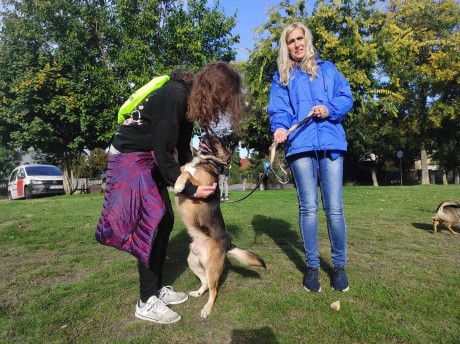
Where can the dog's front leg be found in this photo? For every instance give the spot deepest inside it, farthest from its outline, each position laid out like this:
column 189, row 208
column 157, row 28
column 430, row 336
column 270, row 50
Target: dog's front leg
column 181, row 181
column 435, row 226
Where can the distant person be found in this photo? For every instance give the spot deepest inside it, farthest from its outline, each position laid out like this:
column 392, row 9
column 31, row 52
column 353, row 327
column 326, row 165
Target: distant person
column 223, row 183
column 137, row 214
column 305, row 83
column 265, row 181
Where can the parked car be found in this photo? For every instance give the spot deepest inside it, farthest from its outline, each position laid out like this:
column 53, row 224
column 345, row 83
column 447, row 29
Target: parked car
column 27, row 181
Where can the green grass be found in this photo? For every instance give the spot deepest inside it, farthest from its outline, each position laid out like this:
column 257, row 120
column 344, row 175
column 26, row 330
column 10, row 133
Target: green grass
column 59, row 285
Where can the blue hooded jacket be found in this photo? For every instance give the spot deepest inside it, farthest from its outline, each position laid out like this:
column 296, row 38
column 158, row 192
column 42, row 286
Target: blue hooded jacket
column 290, row 104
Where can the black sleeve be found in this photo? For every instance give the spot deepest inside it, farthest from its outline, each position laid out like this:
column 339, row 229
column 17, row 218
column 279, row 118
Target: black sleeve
column 165, row 137
column 172, row 131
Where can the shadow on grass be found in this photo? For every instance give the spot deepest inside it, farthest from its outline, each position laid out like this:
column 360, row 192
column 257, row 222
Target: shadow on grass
column 423, row 226
column 288, row 240
column 283, row 235
column 429, row 228
column 260, row 335
column 176, row 261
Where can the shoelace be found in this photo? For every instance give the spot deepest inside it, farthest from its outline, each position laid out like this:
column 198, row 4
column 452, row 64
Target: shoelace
column 157, row 306
column 168, row 290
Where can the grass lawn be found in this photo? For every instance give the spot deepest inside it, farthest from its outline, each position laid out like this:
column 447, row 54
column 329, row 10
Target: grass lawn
column 58, row 285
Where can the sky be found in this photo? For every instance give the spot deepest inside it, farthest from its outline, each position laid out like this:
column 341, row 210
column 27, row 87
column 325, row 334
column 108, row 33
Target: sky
column 251, row 14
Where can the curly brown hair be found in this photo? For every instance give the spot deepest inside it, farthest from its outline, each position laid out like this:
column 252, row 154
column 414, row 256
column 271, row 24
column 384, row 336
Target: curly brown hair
column 217, row 93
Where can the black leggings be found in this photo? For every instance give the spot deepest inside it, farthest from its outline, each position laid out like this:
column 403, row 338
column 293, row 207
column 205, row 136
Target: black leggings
column 151, row 277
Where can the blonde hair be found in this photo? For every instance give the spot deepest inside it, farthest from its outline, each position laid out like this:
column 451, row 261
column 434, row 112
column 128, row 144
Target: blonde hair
column 286, row 63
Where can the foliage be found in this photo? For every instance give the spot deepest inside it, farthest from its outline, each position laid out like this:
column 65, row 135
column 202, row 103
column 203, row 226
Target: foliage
column 66, row 66
column 419, row 47
column 9, row 159
column 258, row 72
column 94, row 164
column 342, row 32
column 401, row 59
column 61, row 286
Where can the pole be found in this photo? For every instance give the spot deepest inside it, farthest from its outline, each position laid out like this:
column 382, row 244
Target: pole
column 400, row 169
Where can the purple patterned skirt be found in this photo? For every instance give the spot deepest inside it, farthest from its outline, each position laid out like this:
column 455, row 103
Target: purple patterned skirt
column 133, row 207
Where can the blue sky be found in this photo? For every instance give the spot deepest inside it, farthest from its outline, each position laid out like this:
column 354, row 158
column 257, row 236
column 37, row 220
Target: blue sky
column 251, row 14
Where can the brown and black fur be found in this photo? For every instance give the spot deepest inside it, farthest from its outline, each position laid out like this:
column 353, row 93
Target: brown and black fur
column 448, row 214
column 204, row 221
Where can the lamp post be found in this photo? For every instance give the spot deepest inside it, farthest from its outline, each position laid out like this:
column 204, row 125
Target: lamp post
column 400, row 154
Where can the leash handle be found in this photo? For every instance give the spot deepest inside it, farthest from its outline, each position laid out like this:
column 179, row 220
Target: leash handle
column 291, row 129
column 272, row 157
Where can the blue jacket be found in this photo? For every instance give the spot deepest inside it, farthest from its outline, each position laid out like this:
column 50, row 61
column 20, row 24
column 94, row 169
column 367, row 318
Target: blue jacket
column 290, row 104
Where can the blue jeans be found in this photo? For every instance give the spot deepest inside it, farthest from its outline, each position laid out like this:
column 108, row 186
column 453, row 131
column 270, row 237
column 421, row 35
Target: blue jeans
column 305, row 168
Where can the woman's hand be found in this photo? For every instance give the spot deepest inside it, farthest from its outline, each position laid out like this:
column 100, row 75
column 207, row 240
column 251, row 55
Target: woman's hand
column 320, row 111
column 280, row 136
column 204, row 191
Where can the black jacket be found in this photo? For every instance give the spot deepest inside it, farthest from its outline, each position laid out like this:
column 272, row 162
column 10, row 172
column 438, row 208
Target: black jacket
column 161, row 126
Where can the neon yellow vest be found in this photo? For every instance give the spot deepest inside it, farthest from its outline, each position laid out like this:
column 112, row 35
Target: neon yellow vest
column 139, row 95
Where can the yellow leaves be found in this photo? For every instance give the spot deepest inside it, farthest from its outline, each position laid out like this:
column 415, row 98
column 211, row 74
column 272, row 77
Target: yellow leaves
column 25, row 84
column 390, row 93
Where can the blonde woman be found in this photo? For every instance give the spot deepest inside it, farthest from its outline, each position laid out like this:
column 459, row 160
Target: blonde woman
column 303, row 84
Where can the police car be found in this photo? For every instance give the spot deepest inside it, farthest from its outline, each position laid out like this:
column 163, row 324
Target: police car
column 27, row 181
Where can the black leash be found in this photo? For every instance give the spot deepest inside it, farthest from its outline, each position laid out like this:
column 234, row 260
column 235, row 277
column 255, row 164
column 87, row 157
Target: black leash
column 255, row 188
column 272, row 157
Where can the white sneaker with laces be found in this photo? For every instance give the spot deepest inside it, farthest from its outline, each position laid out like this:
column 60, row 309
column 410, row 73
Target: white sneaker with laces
column 155, row 310
column 171, row 297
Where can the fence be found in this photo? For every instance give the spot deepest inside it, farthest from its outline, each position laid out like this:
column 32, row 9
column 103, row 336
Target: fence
column 89, row 185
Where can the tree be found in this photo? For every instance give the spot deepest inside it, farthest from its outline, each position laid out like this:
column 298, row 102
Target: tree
column 343, row 33
column 258, row 72
column 420, row 41
column 66, row 66
column 93, row 165
column 9, row 159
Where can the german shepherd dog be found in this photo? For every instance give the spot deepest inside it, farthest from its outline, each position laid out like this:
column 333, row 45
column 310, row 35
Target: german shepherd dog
column 204, row 221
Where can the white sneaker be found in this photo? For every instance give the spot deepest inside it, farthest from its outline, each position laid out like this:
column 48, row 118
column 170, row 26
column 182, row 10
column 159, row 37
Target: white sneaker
column 155, row 310
column 171, row 297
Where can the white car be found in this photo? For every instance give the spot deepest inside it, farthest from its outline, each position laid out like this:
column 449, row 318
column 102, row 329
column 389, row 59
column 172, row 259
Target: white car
column 27, row 181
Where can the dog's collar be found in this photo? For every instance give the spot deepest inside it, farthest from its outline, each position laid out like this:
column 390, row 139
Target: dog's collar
column 215, row 164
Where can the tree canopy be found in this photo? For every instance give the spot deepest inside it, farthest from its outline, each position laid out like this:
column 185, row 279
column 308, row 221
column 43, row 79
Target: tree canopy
column 66, row 66
column 402, row 61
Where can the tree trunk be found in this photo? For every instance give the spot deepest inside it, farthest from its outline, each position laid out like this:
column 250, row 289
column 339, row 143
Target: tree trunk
column 375, row 182
column 444, row 177
column 424, row 161
column 457, row 175
column 69, row 186
column 68, row 177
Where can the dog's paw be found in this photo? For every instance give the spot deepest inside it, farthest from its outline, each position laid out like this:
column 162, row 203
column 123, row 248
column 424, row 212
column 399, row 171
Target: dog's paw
column 178, row 187
column 195, row 293
column 204, row 313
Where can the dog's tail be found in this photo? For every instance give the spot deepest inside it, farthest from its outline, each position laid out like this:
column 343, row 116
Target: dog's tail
column 246, row 257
